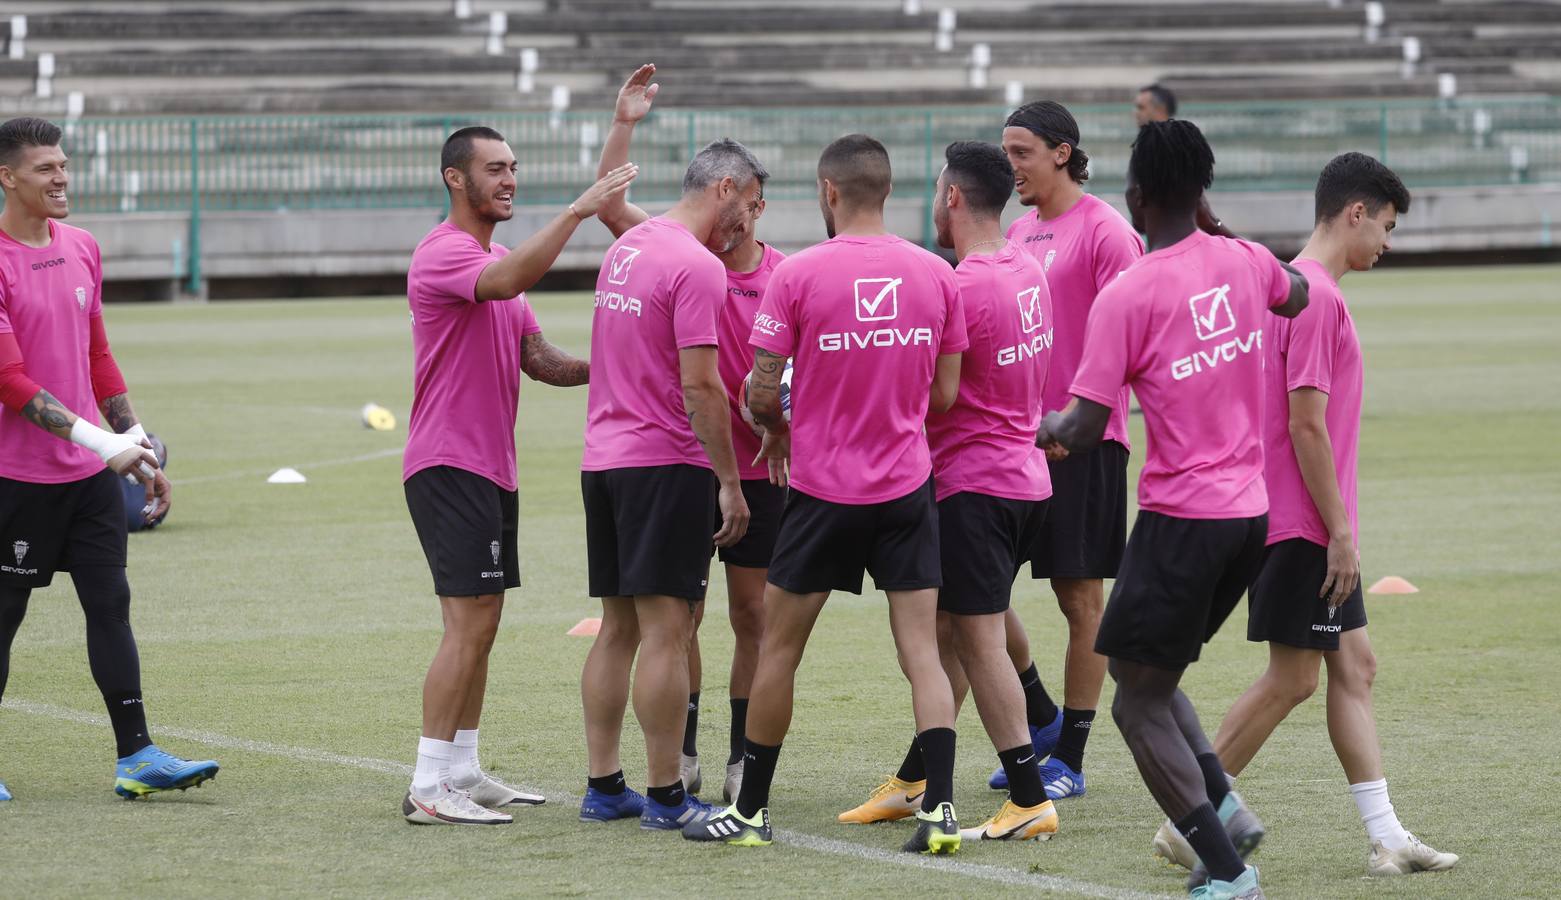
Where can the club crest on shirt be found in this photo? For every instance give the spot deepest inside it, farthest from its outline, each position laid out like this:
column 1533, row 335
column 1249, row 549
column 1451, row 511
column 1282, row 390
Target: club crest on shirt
column 493, row 547
column 81, row 297
column 1047, row 265
column 20, row 548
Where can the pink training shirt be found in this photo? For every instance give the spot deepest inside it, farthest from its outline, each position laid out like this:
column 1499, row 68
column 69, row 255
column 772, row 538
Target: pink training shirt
column 48, row 299
column 1317, row 349
column 466, row 360
column 659, row 291
column 1184, row 326
column 1081, row 251
column 744, row 293
column 865, row 319
column 985, row 444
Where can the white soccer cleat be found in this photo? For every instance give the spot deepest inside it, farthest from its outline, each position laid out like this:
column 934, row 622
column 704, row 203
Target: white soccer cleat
column 451, row 807
column 734, row 781
column 495, row 794
column 1412, row 857
column 1170, row 846
column 688, row 770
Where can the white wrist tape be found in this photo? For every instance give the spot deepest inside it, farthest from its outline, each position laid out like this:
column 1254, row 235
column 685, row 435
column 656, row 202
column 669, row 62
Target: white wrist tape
column 137, row 432
column 105, row 444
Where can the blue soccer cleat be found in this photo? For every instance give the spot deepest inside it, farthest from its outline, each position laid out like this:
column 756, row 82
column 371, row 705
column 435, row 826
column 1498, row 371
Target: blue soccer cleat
column 150, row 770
column 1044, row 740
column 4, row 794
column 1059, row 780
column 692, row 811
column 600, row 807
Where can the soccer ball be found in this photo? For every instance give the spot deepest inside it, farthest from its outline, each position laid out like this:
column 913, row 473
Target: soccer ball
column 785, row 397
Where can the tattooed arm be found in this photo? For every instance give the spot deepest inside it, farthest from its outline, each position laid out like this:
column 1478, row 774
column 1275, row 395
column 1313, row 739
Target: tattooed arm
column 49, row 414
column 541, row 361
column 118, row 413
column 764, row 403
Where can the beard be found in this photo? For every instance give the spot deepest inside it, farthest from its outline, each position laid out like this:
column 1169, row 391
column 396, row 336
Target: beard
column 480, row 205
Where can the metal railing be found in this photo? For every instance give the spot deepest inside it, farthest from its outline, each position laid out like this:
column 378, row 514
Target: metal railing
column 304, row 162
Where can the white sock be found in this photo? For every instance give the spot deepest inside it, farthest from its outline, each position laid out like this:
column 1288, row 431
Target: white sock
column 465, row 770
column 1376, row 810
column 433, row 766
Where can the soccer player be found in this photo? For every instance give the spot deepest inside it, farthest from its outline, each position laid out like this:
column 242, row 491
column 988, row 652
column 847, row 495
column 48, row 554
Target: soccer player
column 1183, row 326
column 876, row 328
column 61, row 505
column 1154, row 103
column 992, row 484
column 1306, row 602
column 473, row 333
column 657, row 423
column 1083, row 244
column 748, row 269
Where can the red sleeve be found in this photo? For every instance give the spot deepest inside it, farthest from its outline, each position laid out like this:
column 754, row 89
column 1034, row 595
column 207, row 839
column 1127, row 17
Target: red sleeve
column 15, row 387
column 106, row 379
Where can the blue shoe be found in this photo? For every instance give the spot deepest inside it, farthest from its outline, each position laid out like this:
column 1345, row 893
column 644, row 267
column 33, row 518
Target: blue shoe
column 4, row 794
column 657, row 817
column 1243, row 888
column 150, row 770
column 1044, row 740
column 600, row 807
column 1059, row 780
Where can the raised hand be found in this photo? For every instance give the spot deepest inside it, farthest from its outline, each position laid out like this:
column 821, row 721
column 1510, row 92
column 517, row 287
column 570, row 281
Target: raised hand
column 612, row 184
column 636, row 95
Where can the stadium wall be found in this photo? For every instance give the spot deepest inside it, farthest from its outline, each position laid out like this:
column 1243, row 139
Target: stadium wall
column 312, row 252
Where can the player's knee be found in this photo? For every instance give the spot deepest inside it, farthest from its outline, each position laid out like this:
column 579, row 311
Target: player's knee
column 1081, row 608
column 1292, row 686
column 748, row 623
column 1359, row 671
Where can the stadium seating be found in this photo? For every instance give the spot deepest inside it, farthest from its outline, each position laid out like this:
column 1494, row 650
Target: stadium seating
column 418, row 56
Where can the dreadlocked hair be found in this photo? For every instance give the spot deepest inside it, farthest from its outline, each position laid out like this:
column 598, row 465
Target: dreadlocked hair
column 1172, row 164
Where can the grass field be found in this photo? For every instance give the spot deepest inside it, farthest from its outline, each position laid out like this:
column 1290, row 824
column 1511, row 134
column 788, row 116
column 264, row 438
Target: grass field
column 285, row 630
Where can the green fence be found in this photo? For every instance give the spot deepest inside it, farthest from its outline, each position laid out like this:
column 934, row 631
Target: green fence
column 206, row 164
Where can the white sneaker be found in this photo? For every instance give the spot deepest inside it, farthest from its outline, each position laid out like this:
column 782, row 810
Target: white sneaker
column 1170, row 846
column 734, row 781
column 1412, row 857
column 495, row 794
column 451, row 807
column 688, row 770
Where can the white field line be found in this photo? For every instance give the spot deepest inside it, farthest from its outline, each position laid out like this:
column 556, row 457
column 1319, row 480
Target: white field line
column 829, row 846
column 302, row 467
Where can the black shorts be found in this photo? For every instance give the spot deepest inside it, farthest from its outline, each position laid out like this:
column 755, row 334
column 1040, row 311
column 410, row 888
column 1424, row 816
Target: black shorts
column 467, row 525
column 48, row 528
column 985, row 540
column 1180, row 579
column 765, row 502
column 1086, row 526
column 647, row 530
column 826, row 546
column 1283, row 604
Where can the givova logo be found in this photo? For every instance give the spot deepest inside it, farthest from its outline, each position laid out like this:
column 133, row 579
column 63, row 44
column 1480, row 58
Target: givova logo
column 877, row 299
column 1211, row 315
column 618, row 266
column 1030, row 312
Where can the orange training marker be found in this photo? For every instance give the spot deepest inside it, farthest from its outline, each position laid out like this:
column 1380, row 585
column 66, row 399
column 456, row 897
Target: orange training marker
column 1393, row 584
column 588, row 627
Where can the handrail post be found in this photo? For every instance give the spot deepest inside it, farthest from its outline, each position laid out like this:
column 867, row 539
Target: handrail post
column 194, row 285
column 1382, row 135
column 929, row 194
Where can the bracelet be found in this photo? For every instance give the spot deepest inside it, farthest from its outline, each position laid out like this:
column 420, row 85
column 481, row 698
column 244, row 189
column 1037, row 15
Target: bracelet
column 578, row 217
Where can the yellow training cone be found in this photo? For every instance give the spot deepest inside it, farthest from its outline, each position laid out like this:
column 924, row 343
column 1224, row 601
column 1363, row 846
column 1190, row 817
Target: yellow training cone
column 1392, row 584
column 378, row 417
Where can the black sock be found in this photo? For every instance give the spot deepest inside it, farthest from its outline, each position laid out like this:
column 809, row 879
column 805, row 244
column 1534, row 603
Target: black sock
column 1214, row 778
column 607, row 784
column 758, row 771
column 914, row 768
column 1076, row 724
column 691, row 730
column 129, row 720
column 1203, row 831
column 671, row 795
column 1024, row 775
column 739, row 720
column 937, row 752
column 1038, row 705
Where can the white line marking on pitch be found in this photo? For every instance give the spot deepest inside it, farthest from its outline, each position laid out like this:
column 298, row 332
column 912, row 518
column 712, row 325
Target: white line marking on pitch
column 261, row 473
column 830, row 846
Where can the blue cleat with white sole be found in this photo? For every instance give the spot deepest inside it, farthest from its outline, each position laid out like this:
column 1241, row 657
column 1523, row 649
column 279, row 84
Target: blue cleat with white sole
column 601, row 807
column 4, row 794
column 1060, row 781
column 1044, row 740
column 150, row 770
column 692, row 811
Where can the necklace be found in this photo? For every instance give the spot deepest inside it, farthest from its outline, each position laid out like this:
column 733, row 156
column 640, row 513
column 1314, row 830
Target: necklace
column 972, row 247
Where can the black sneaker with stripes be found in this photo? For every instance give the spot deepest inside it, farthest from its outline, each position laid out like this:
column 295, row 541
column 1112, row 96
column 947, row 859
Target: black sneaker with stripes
column 729, row 826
